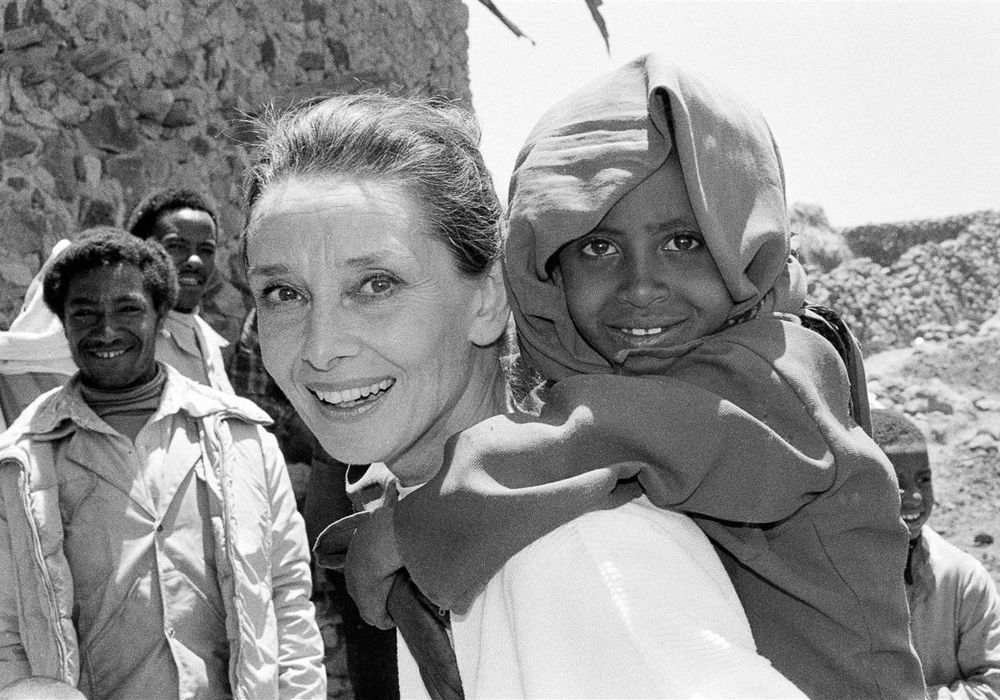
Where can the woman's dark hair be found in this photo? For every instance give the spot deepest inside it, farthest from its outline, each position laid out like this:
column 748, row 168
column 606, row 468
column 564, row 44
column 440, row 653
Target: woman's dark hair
column 147, row 212
column 426, row 146
column 103, row 247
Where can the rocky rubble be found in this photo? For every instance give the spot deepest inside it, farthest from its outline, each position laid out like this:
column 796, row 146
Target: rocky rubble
column 929, row 323
column 936, row 289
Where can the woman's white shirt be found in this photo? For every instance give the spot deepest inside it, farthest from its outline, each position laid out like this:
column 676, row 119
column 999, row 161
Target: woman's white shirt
column 630, row 602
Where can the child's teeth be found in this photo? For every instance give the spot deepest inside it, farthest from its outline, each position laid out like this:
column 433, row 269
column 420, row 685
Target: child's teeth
column 643, row 331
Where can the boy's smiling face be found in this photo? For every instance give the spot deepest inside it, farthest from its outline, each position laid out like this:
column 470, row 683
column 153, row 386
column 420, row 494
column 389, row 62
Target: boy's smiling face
column 916, row 489
column 644, row 278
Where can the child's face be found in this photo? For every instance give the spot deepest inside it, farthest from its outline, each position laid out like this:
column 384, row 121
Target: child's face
column 644, row 278
column 916, row 491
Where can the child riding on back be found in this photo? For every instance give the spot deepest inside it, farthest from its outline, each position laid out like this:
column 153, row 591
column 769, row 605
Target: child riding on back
column 649, row 273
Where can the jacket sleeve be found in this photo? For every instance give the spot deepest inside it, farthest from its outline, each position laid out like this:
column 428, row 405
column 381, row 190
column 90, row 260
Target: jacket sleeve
column 301, row 673
column 978, row 641
column 13, row 660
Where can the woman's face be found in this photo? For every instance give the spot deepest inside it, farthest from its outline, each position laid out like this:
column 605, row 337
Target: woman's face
column 364, row 321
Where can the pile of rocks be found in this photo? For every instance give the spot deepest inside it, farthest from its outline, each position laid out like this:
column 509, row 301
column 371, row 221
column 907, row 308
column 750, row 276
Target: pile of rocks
column 940, row 287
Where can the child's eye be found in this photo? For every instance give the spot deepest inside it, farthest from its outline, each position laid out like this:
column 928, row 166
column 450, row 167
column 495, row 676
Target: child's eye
column 683, row 242
column 598, row 247
column 378, row 285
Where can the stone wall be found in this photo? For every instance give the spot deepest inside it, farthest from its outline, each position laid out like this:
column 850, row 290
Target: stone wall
column 102, row 99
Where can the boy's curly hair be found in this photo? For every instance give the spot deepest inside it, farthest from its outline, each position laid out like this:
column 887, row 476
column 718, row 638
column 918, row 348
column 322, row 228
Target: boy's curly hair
column 105, row 246
column 892, row 428
column 143, row 218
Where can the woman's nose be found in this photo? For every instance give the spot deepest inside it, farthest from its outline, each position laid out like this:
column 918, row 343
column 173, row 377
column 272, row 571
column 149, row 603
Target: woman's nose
column 331, row 335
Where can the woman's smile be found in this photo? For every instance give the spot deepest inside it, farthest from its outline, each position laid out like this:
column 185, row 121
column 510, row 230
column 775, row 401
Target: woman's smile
column 361, row 396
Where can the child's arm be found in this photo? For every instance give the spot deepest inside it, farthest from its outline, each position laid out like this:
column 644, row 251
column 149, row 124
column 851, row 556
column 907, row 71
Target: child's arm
column 741, row 430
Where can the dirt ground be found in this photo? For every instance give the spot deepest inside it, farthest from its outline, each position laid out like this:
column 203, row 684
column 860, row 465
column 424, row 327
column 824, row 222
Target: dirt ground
column 952, row 390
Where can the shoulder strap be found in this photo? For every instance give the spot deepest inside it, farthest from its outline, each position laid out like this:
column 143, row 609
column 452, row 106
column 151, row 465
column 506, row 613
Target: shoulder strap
column 830, row 325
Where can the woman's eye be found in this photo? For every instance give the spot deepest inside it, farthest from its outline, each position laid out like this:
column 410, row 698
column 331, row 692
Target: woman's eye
column 280, row 295
column 598, row 247
column 378, row 285
column 683, row 242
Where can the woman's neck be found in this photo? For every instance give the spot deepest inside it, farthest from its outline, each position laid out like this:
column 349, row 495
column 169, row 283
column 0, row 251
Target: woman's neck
column 485, row 396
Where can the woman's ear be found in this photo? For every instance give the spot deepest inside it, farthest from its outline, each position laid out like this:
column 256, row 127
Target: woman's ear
column 491, row 310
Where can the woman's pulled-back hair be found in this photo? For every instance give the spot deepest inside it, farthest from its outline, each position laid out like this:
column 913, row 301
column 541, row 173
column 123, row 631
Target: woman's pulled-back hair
column 426, row 146
column 105, row 246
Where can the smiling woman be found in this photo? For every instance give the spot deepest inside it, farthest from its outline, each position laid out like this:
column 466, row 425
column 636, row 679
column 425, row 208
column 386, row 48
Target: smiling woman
column 362, row 349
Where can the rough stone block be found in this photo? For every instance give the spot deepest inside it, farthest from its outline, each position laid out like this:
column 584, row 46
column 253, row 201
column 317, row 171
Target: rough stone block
column 32, row 56
column 21, row 37
column 179, row 70
column 97, row 210
column 17, row 143
column 182, row 112
column 128, row 171
column 153, row 103
column 110, row 129
column 57, row 157
column 97, row 61
column 88, row 169
column 40, row 118
column 69, row 111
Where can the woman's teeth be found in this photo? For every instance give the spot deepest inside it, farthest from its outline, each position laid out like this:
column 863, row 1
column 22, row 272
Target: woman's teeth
column 354, row 394
column 911, row 517
column 642, row 331
column 108, row 354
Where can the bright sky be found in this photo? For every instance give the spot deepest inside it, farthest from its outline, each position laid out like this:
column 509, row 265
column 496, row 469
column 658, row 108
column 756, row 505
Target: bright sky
column 884, row 111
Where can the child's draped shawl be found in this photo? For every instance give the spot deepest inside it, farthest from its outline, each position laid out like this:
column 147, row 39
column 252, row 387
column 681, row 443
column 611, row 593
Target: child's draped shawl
column 748, row 426
column 511, row 479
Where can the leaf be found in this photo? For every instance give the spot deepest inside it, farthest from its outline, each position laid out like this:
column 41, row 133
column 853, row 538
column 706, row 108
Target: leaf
column 592, row 5
column 507, row 23
column 595, row 12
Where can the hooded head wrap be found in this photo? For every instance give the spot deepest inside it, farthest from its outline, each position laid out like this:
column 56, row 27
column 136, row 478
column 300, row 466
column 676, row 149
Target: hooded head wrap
column 599, row 143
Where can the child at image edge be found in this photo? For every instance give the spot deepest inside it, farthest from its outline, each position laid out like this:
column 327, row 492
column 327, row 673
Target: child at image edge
column 954, row 605
column 650, row 278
